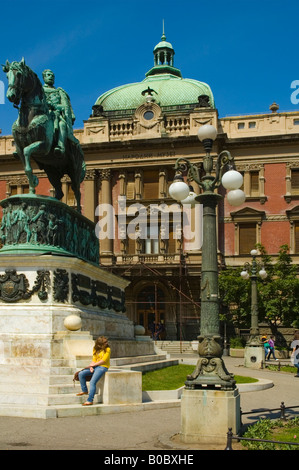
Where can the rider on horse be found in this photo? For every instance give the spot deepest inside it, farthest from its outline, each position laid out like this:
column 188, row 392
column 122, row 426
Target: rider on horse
column 59, row 102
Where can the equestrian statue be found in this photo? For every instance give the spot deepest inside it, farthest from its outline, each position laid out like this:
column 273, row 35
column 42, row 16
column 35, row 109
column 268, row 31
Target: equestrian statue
column 43, row 131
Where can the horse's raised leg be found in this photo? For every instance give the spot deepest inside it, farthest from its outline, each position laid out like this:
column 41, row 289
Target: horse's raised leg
column 34, row 148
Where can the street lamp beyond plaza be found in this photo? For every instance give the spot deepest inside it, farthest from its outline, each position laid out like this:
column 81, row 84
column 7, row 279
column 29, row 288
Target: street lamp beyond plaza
column 254, row 351
column 210, row 371
column 210, row 401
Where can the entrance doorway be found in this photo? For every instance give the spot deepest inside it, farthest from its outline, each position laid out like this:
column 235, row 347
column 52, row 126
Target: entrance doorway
column 151, row 311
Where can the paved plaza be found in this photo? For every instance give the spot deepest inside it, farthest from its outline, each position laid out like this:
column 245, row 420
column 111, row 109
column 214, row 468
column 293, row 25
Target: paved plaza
column 153, row 430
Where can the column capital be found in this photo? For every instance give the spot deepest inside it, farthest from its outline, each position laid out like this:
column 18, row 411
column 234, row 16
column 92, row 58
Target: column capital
column 105, row 174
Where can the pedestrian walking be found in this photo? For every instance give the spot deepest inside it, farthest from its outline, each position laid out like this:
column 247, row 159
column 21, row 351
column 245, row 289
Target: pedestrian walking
column 271, row 348
column 295, row 352
column 266, row 346
column 96, row 369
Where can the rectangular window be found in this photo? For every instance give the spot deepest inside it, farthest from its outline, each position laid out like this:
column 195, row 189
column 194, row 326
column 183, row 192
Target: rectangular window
column 25, row 188
column 71, row 200
column 131, row 244
column 296, row 122
column 254, row 183
column 252, row 125
column 241, row 125
column 130, row 186
column 150, row 184
column 295, row 181
column 297, row 237
column 247, row 238
column 152, row 241
column 13, row 190
column 171, row 242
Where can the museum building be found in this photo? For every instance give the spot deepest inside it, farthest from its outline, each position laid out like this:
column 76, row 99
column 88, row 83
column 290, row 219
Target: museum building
column 131, row 142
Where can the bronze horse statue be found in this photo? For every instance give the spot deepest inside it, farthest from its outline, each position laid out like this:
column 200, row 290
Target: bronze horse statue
column 34, row 133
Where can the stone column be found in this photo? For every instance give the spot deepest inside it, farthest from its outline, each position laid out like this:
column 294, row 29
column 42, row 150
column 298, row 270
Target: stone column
column 138, row 184
column 162, row 183
column 106, row 245
column 90, row 194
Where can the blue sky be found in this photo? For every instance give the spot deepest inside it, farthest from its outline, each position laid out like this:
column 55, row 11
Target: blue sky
column 247, row 51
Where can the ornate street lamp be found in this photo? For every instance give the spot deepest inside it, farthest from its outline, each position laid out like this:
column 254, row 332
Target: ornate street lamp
column 254, row 349
column 210, row 371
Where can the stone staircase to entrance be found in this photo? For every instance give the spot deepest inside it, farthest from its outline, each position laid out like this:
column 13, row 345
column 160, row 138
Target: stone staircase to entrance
column 174, row 348
column 55, row 396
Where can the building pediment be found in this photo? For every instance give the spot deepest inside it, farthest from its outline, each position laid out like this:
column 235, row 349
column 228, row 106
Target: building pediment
column 293, row 213
column 247, row 214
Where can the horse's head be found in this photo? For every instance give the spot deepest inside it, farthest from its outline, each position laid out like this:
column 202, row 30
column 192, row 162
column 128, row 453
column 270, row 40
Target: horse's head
column 17, row 74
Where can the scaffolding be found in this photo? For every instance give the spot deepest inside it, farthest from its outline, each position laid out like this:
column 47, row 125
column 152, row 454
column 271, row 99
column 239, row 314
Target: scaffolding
column 182, row 287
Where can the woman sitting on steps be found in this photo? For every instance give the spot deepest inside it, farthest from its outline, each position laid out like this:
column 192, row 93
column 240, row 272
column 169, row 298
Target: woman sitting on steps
column 97, row 368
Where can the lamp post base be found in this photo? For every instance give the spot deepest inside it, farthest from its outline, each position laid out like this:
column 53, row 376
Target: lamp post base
column 206, row 415
column 210, row 371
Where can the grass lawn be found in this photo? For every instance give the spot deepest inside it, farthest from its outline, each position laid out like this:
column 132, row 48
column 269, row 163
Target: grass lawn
column 173, row 377
column 275, row 430
column 290, row 368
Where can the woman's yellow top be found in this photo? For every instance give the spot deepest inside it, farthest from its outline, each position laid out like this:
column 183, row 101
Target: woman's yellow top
column 103, row 355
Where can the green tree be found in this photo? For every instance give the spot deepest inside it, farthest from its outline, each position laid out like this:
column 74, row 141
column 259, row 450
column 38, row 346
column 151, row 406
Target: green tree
column 279, row 293
column 235, row 296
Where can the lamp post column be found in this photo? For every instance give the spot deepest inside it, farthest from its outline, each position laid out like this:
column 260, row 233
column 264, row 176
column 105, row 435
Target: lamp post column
column 210, row 400
column 254, row 351
column 210, row 371
column 254, row 330
column 209, row 317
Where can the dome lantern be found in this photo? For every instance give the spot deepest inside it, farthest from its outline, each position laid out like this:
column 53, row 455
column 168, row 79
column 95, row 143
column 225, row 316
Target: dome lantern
column 163, row 58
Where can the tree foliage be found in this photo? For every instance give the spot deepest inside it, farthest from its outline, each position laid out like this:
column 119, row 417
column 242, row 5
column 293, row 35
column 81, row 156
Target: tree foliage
column 235, row 297
column 278, row 294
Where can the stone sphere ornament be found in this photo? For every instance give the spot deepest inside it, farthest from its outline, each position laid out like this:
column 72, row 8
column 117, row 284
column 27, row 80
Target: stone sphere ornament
column 139, row 330
column 73, row 322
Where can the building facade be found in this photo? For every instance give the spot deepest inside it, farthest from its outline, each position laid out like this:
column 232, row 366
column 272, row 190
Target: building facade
column 131, row 142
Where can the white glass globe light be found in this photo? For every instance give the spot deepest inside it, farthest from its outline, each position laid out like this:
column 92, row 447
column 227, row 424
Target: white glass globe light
column 179, row 190
column 245, row 275
column 190, row 199
column 232, row 179
column 236, row 197
column 263, row 273
column 254, row 253
column 207, row 132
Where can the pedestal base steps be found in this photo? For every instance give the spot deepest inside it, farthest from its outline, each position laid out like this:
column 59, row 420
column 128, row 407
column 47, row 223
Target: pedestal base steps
column 44, row 388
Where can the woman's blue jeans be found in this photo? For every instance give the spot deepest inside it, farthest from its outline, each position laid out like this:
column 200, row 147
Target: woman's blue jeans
column 98, row 372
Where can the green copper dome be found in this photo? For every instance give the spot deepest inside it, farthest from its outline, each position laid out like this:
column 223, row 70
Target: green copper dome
column 163, row 82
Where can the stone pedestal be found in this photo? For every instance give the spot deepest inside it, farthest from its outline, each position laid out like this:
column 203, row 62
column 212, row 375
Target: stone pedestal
column 207, row 414
column 254, row 357
column 37, row 293
column 49, row 276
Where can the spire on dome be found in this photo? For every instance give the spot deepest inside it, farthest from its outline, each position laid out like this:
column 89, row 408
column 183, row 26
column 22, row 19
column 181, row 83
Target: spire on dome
column 163, row 58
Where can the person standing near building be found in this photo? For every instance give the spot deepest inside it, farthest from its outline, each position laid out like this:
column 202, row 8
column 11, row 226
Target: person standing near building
column 97, row 368
column 295, row 352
